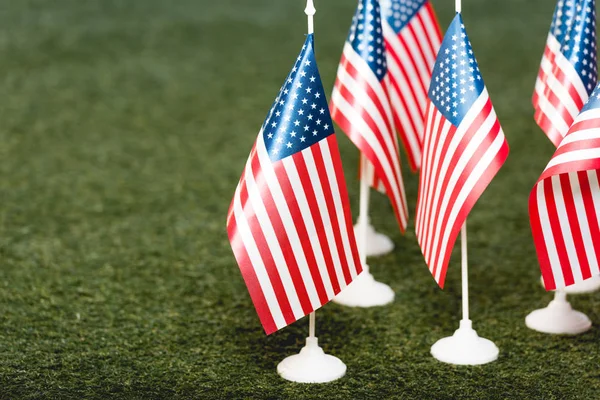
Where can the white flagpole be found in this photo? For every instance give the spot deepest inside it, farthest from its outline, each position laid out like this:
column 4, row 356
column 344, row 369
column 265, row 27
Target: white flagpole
column 363, row 218
column 465, row 272
column 310, row 11
column 311, row 365
column 458, row 5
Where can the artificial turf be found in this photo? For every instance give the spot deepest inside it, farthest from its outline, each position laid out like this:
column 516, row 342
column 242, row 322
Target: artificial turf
column 124, row 127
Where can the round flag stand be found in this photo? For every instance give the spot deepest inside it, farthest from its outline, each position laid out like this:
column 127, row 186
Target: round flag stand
column 378, row 244
column 311, row 365
column 364, row 291
column 558, row 317
column 465, row 347
column 590, row 285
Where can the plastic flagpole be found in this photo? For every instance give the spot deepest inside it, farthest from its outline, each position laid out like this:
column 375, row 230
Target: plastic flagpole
column 364, row 291
column 464, row 268
column 311, row 365
column 376, row 244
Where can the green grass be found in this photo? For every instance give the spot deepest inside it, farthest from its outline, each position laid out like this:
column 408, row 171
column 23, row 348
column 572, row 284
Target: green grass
column 124, row 127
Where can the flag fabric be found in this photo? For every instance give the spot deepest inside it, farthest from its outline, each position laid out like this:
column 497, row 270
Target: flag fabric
column 464, row 147
column 360, row 103
column 412, row 39
column 568, row 72
column 289, row 222
column 564, row 205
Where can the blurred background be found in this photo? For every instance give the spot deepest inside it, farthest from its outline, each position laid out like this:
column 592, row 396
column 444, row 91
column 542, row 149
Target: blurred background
column 124, row 128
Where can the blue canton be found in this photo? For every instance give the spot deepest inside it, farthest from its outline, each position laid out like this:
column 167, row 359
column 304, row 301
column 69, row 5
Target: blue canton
column 299, row 116
column 562, row 19
column 366, row 36
column 593, row 101
column 456, row 82
column 399, row 12
column 579, row 43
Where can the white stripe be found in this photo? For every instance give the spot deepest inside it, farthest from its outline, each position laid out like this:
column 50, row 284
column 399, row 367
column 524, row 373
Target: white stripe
column 322, row 208
column 411, row 41
column 578, row 136
column 481, row 167
column 584, row 226
column 246, row 236
column 569, row 70
column 410, row 135
column 429, row 32
column 369, row 137
column 300, row 195
column 255, row 199
column 425, row 172
column 457, row 137
column 595, row 189
column 565, row 227
column 368, row 75
column 575, row 155
column 414, row 108
column 433, row 174
column 563, row 94
column 548, row 235
column 396, row 46
column 457, row 172
column 339, row 208
column 366, row 102
column 588, row 114
column 553, row 115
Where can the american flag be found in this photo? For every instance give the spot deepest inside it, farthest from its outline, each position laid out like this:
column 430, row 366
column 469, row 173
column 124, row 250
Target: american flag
column 289, row 222
column 360, row 103
column 568, row 71
column 412, row 39
column 564, row 205
column 464, row 147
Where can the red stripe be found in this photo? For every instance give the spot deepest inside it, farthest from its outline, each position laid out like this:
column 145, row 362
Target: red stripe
column 249, row 275
column 369, row 91
column 454, row 158
column 331, row 211
column 265, row 255
column 409, row 88
column 464, row 175
column 341, row 184
column 540, row 243
column 318, row 221
column 412, row 61
column 309, row 252
column 547, row 127
column 556, row 231
column 392, row 159
column 590, row 212
column 470, row 201
column 574, row 226
column 280, row 231
column 566, row 167
column 364, row 147
column 578, row 145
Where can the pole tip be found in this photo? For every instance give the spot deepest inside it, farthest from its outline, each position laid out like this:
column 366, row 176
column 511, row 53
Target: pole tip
column 310, row 9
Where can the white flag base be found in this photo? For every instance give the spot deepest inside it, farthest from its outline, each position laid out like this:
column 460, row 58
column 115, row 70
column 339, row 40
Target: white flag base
column 378, row 244
column 311, row 365
column 590, row 285
column 558, row 318
column 365, row 291
column 465, row 347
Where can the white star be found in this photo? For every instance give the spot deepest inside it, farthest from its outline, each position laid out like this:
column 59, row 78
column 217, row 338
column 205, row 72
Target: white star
column 301, row 112
column 270, row 135
column 312, row 78
column 322, row 111
column 289, row 145
column 317, row 95
column 302, row 139
column 274, row 124
column 308, row 90
column 296, row 123
column 310, row 117
column 306, row 127
column 326, row 126
column 313, row 106
column 304, row 101
column 293, row 134
column 303, row 74
column 318, row 122
column 315, row 132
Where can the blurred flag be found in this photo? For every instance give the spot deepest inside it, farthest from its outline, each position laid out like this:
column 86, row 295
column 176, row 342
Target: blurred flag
column 568, row 71
column 289, row 222
column 360, row 103
column 464, row 147
column 564, row 205
column 412, row 38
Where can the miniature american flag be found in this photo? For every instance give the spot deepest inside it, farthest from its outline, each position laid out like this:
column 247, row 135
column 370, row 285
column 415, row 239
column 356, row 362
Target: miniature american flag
column 289, row 222
column 464, row 147
column 568, row 71
column 564, row 205
column 360, row 103
column 412, row 38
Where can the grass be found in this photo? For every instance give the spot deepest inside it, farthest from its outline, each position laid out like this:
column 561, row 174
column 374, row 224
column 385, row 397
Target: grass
column 124, row 127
